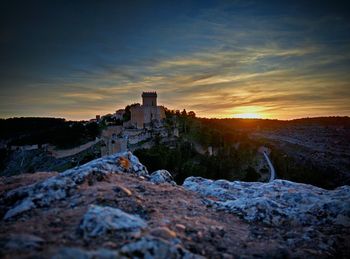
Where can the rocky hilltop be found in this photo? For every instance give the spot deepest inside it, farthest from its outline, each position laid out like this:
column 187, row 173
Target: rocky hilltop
column 113, row 207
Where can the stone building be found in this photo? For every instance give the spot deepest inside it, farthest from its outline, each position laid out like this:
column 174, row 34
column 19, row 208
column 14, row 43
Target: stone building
column 143, row 115
column 113, row 140
column 118, row 115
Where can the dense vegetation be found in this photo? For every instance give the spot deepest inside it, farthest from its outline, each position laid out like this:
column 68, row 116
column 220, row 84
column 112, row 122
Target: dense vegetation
column 235, row 150
column 183, row 160
column 304, row 172
column 58, row 132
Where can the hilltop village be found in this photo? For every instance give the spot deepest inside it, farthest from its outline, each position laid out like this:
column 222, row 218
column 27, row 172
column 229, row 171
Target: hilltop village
column 138, row 125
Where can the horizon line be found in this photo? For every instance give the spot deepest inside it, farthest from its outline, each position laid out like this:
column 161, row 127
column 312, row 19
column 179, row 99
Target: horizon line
column 212, row 118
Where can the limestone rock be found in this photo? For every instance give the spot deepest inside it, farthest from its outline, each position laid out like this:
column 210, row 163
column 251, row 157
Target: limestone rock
column 78, row 253
column 146, row 247
column 23, row 242
column 100, row 220
column 149, row 247
column 25, row 205
column 161, row 176
column 278, row 202
column 43, row 193
column 63, row 210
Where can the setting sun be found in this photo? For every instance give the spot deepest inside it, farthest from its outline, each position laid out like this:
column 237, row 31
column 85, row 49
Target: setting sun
column 248, row 116
column 248, row 112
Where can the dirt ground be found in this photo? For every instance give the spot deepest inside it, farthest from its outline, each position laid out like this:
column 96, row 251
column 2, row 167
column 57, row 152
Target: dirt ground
column 170, row 211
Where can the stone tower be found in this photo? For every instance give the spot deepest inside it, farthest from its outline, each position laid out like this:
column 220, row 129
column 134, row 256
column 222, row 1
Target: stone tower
column 149, row 99
column 143, row 115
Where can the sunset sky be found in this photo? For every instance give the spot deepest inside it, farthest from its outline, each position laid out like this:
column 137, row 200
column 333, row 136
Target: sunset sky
column 269, row 59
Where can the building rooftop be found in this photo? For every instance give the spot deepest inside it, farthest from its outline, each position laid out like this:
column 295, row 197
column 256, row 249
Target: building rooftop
column 149, row 94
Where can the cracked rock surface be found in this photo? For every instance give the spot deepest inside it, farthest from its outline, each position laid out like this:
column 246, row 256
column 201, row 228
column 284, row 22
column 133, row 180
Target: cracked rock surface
column 278, row 202
column 112, row 208
column 100, row 220
column 59, row 187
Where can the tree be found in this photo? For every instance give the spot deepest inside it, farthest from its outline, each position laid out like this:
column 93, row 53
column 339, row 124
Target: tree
column 251, row 175
column 93, row 130
column 169, row 113
column 192, row 114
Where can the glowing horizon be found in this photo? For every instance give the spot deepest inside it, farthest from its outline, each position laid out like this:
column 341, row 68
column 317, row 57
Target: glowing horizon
column 272, row 60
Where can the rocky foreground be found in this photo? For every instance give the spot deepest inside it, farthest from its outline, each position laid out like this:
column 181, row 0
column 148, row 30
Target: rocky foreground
column 113, row 208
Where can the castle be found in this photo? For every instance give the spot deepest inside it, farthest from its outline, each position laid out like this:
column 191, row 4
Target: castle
column 147, row 113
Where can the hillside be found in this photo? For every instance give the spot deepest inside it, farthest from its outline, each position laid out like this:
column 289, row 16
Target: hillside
column 310, row 150
column 112, row 207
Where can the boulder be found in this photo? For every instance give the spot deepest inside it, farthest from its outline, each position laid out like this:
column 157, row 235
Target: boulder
column 278, row 202
column 161, row 176
column 101, row 220
column 43, row 193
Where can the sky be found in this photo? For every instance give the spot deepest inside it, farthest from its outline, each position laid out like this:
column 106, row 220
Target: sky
column 268, row 59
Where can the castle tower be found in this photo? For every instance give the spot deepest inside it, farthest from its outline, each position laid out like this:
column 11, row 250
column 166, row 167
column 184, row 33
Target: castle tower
column 149, row 99
column 143, row 115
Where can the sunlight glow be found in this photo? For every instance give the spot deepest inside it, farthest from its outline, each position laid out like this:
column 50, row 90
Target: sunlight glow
column 248, row 112
column 248, row 116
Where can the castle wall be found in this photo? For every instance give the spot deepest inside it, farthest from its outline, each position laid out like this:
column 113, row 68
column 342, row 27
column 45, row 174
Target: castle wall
column 149, row 101
column 137, row 116
column 110, row 130
column 148, row 112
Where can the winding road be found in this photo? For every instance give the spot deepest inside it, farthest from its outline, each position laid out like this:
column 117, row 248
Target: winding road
column 272, row 169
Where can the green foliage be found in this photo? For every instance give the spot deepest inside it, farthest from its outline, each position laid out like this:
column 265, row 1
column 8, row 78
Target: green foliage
column 235, row 150
column 192, row 114
column 13, row 127
column 127, row 114
column 162, row 157
column 92, row 130
column 183, row 161
column 169, row 113
column 223, row 134
column 252, row 175
column 302, row 171
column 63, row 134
